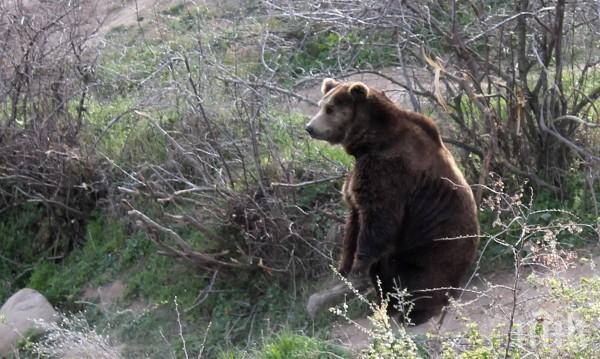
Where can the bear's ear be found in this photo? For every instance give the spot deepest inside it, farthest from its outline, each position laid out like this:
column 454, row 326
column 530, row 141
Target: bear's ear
column 327, row 85
column 358, row 91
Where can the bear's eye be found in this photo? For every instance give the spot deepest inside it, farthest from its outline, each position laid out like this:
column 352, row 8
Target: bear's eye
column 328, row 110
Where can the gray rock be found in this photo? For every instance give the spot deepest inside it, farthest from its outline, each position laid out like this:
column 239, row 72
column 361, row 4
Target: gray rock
column 18, row 316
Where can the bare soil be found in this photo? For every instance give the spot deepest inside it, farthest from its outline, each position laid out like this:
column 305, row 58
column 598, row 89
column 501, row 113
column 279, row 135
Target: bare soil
column 132, row 13
column 489, row 305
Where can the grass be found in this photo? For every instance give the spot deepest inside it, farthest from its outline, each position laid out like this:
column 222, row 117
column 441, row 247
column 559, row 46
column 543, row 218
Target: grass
column 18, row 251
column 287, row 345
column 246, row 315
column 74, row 334
column 244, row 309
column 98, row 261
column 241, row 312
column 251, row 314
column 570, row 332
column 322, row 50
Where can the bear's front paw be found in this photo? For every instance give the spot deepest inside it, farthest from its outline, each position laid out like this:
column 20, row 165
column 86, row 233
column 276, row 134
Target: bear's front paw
column 360, row 267
column 345, row 267
column 343, row 271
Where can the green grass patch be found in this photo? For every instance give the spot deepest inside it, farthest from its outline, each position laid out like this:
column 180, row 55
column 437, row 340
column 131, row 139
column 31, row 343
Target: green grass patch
column 240, row 312
column 288, row 345
column 99, row 260
column 323, row 50
column 124, row 136
column 175, row 10
column 18, row 248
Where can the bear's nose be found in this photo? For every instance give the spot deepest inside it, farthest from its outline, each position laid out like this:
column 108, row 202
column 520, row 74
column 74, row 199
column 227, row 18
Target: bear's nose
column 310, row 130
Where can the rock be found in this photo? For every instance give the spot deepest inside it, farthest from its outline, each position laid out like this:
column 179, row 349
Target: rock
column 18, row 316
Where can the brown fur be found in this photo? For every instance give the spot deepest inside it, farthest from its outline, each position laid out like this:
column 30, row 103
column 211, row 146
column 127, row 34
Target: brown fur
column 404, row 194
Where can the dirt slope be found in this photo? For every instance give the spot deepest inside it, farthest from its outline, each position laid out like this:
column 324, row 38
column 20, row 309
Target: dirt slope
column 127, row 13
column 490, row 307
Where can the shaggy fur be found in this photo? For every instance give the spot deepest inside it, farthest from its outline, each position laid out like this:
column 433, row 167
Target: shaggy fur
column 405, row 194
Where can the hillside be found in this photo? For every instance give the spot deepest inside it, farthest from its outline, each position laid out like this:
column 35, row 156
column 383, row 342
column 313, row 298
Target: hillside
column 158, row 188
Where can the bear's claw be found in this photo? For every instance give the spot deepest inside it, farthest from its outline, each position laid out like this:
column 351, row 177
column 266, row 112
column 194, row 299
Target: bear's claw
column 359, row 268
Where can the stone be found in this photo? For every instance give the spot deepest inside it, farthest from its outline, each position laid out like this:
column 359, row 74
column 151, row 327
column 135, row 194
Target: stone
column 18, row 316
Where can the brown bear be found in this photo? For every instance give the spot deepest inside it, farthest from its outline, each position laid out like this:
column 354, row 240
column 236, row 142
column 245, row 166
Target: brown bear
column 412, row 219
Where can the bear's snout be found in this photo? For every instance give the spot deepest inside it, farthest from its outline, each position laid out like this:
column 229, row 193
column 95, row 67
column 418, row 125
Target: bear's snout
column 310, row 130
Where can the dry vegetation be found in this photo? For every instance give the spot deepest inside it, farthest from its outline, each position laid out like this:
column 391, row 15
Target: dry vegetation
column 195, row 137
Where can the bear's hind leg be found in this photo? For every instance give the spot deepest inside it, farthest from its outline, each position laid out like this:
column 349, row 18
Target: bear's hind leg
column 386, row 280
column 426, row 285
column 429, row 293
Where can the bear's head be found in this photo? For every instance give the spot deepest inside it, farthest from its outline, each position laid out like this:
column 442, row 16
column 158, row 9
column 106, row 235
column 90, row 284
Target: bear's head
column 338, row 109
column 364, row 120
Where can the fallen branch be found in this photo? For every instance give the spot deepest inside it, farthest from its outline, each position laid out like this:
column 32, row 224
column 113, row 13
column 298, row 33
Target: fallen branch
column 186, row 251
column 307, row 183
column 269, row 87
